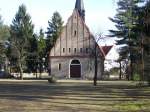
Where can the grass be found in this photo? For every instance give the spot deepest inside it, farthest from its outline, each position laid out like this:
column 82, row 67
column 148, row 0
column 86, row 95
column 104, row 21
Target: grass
column 73, row 96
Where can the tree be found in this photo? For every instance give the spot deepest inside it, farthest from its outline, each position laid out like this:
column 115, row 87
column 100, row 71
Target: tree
column 96, row 53
column 144, row 28
column 146, row 43
column 1, row 21
column 54, row 30
column 32, row 53
column 41, row 50
column 122, row 60
column 96, row 64
column 41, row 44
column 21, row 31
column 126, row 21
column 4, row 36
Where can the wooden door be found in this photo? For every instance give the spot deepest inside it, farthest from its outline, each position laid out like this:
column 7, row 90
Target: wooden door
column 75, row 71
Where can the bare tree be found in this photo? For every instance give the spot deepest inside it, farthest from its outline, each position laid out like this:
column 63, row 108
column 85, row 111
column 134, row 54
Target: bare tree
column 96, row 52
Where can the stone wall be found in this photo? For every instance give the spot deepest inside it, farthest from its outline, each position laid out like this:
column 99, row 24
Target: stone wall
column 87, row 67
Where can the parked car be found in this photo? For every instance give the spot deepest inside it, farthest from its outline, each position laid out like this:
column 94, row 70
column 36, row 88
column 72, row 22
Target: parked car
column 4, row 74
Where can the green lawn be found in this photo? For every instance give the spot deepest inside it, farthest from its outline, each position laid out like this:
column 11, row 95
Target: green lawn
column 73, row 96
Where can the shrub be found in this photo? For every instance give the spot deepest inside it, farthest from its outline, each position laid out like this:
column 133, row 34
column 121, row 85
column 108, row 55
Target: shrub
column 52, row 79
column 136, row 77
column 148, row 79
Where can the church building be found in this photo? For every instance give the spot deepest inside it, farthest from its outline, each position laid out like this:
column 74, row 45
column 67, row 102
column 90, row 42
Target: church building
column 73, row 54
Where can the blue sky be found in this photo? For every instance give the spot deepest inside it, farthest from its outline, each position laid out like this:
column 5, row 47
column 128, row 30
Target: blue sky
column 97, row 12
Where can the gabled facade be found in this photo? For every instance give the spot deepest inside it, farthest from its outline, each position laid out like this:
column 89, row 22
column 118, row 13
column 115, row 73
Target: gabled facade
column 72, row 55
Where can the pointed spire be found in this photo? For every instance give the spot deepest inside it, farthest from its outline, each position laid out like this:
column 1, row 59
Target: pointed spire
column 80, row 7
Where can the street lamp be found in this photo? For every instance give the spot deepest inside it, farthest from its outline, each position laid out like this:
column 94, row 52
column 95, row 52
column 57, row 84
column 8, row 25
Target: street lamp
column 43, row 60
column 41, row 66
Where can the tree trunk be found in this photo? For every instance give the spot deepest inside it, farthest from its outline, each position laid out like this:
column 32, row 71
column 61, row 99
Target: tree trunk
column 41, row 69
column 36, row 74
column 49, row 66
column 131, row 71
column 21, row 71
column 95, row 74
column 142, row 61
column 120, row 73
column 40, row 76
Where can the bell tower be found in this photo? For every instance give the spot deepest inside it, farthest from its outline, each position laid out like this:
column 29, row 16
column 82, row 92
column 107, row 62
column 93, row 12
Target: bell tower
column 79, row 6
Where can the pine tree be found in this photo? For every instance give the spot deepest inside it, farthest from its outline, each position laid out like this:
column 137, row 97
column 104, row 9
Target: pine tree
column 41, row 51
column 41, row 44
column 126, row 21
column 21, row 32
column 144, row 28
column 54, row 30
column 32, row 54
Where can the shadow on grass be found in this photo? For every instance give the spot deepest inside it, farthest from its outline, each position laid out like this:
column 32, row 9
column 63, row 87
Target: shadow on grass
column 72, row 94
column 67, row 88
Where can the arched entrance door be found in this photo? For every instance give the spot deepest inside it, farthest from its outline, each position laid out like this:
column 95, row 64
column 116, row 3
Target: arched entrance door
column 75, row 69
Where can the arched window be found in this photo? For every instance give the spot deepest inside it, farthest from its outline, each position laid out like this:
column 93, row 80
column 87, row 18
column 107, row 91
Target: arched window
column 75, row 62
column 63, row 50
column 69, row 50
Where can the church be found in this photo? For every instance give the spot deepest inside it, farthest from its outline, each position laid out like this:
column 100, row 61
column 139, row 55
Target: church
column 73, row 53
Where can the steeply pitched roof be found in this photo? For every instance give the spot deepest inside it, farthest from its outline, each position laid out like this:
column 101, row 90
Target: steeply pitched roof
column 80, row 7
column 105, row 50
